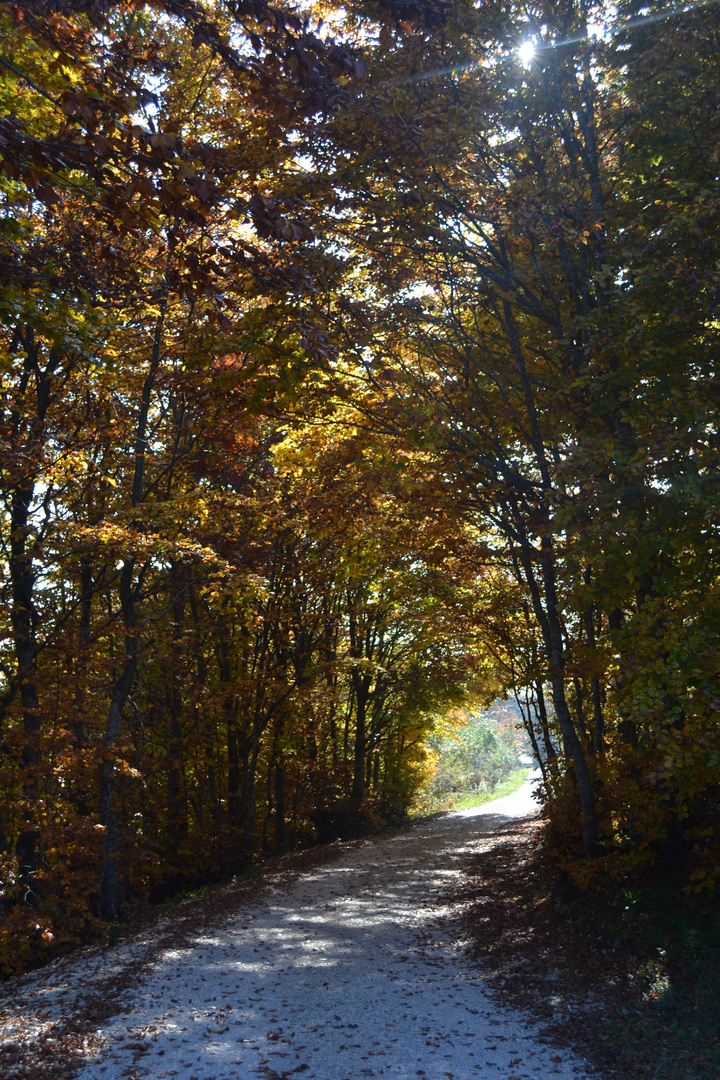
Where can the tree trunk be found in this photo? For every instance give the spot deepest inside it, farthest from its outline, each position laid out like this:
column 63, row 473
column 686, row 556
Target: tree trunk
column 109, row 889
column 23, row 626
column 545, row 725
column 23, row 615
column 177, row 799
column 358, row 784
column 588, row 823
column 83, row 657
column 200, row 679
column 548, row 618
column 249, row 801
column 280, row 806
column 595, row 688
column 530, row 730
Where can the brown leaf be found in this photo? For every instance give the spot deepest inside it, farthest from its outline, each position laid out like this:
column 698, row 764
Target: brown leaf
column 47, row 195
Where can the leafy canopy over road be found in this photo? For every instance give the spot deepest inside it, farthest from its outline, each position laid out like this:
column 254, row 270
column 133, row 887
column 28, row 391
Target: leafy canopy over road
column 351, row 370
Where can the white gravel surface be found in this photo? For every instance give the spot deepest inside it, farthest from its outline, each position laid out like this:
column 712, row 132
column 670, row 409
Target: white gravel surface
column 352, row 972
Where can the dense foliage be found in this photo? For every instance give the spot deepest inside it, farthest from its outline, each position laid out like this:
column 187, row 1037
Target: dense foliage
column 475, row 758
column 350, row 370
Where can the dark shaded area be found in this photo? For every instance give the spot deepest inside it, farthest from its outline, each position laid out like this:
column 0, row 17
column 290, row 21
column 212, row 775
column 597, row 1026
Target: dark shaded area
column 629, row 977
column 351, row 819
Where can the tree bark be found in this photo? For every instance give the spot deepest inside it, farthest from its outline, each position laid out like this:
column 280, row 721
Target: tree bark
column 109, row 886
column 588, row 824
column 358, row 784
column 545, row 607
column 23, row 615
column 280, row 806
column 595, row 688
column 177, row 798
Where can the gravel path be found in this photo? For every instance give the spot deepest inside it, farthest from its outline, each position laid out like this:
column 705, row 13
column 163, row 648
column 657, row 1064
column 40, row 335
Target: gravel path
column 352, row 972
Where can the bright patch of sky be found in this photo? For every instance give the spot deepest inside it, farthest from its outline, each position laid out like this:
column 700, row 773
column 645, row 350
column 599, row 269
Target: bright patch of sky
column 417, row 291
column 304, row 163
column 526, row 53
column 603, row 24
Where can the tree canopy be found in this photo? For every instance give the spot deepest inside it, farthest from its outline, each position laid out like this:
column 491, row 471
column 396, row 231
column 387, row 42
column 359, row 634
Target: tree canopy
column 357, row 363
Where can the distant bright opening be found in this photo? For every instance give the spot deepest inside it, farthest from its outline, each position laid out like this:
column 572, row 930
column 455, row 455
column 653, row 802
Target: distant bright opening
column 526, row 52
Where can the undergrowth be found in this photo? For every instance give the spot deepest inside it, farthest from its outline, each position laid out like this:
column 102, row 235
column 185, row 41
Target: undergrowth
column 668, row 945
column 464, row 800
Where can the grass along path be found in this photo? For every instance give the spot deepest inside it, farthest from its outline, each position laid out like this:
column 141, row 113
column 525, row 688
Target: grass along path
column 466, row 800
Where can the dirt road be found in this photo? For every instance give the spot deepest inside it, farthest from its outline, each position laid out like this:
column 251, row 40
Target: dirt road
column 351, row 972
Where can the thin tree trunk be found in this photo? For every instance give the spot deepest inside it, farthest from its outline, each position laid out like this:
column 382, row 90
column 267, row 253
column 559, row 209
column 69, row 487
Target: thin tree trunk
column 548, row 618
column 177, row 799
column 109, row 888
column 23, row 615
column 83, row 657
column 249, row 777
column 23, row 626
column 580, row 709
column 545, row 725
column 233, row 780
column 595, row 688
column 598, row 716
column 588, row 823
column 547, row 613
column 200, row 678
column 280, row 806
column 529, row 728
column 358, row 784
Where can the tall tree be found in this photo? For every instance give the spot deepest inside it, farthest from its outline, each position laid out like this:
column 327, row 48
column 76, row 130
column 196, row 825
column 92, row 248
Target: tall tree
column 506, row 317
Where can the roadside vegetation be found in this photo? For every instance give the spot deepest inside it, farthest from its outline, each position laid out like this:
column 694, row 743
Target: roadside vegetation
column 482, row 759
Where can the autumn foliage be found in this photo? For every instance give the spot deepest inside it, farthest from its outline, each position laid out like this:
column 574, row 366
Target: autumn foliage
column 349, row 371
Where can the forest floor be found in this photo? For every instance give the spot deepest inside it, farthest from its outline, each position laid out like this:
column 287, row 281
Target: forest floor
column 349, row 961
column 629, row 976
